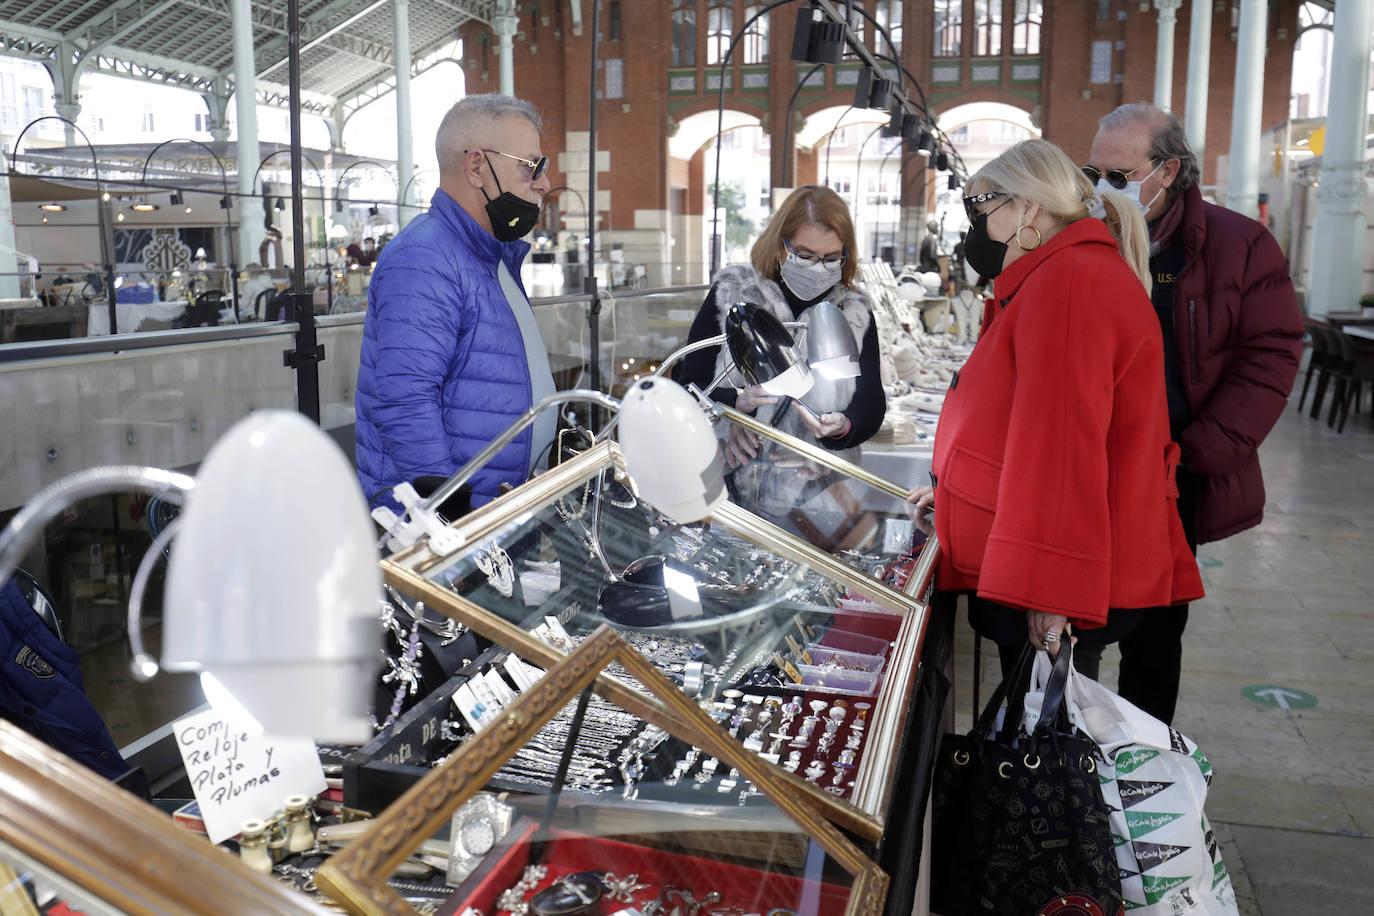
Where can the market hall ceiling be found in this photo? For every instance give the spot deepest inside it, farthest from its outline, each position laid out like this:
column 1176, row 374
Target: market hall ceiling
column 347, row 46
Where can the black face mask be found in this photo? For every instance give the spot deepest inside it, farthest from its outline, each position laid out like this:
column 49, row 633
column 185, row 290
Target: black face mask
column 511, row 217
column 984, row 254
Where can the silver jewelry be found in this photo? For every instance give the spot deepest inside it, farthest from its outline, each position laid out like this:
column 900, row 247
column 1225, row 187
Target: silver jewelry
column 495, row 563
column 622, row 889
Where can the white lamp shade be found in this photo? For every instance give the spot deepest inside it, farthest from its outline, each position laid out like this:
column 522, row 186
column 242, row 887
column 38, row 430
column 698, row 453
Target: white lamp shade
column 273, row 583
column 670, row 450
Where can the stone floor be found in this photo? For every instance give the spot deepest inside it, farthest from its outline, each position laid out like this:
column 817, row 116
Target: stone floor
column 1289, row 604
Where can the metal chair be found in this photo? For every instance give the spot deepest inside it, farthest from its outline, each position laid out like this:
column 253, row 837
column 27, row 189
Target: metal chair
column 1317, row 358
column 1356, row 368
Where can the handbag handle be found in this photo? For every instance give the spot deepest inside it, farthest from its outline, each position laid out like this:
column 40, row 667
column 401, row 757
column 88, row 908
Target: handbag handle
column 1054, row 714
column 1012, row 689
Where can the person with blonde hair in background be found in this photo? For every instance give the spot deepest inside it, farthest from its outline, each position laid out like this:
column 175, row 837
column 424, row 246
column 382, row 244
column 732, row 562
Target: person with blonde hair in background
column 1052, row 478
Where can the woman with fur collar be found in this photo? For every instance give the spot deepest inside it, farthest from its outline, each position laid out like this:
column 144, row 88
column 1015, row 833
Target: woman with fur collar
column 804, row 256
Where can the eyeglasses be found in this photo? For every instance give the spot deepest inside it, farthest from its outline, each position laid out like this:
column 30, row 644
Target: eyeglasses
column 830, row 260
column 537, row 167
column 1115, row 177
column 973, row 200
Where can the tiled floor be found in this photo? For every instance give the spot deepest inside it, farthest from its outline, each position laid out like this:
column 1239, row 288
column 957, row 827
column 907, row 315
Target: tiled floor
column 1290, row 604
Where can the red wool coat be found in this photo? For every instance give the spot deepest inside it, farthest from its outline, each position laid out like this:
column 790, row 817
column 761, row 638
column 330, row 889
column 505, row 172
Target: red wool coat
column 1053, row 468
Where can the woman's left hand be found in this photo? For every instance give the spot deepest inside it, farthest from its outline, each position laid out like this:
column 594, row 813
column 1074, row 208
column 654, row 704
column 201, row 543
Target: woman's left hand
column 828, row 425
column 1041, row 625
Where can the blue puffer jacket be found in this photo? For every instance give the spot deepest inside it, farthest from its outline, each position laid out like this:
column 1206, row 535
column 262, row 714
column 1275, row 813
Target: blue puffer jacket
column 443, row 369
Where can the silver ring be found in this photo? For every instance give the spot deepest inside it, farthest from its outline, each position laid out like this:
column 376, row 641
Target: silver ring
column 1051, row 636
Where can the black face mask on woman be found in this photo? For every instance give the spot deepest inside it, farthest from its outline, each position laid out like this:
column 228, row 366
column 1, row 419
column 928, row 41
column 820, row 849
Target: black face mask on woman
column 984, row 254
column 511, row 217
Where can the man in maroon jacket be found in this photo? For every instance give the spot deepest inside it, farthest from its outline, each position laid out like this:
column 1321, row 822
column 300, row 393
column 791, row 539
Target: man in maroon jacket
column 1232, row 341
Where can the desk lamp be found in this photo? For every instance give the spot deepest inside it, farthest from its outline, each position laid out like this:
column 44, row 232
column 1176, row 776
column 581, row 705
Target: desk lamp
column 678, row 461
column 273, row 584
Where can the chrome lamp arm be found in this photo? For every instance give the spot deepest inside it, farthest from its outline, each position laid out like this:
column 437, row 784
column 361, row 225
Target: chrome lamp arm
column 419, row 518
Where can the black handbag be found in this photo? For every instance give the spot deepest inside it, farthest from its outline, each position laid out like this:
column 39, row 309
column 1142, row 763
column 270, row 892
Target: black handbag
column 1019, row 826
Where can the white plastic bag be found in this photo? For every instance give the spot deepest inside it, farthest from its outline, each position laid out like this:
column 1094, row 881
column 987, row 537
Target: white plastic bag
column 1155, row 781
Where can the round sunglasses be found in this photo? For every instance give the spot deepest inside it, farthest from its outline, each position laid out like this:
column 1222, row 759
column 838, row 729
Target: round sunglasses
column 1115, row 177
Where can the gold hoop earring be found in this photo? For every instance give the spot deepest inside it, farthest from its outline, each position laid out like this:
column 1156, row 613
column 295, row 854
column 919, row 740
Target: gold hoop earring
column 1038, row 239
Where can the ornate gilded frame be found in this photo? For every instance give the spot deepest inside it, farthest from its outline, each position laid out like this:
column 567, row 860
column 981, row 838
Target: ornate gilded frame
column 357, row 876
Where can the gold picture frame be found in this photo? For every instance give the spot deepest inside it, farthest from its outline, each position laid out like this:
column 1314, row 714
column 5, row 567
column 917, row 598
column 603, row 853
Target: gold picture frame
column 356, row 877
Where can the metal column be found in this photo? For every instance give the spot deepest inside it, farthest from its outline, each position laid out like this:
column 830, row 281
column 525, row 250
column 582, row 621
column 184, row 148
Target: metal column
column 1199, row 60
column 1164, row 53
column 251, row 232
column 1242, row 186
column 1338, row 232
column 405, row 140
column 9, row 285
column 505, row 24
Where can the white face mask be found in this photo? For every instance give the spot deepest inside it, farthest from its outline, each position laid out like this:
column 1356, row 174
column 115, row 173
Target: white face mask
column 808, row 281
column 1132, row 191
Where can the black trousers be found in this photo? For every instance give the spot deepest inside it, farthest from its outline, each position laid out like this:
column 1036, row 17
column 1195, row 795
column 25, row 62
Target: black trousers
column 1006, row 626
column 1152, row 655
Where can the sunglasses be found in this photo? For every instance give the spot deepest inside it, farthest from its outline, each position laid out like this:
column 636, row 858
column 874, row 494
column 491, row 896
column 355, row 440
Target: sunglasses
column 972, row 201
column 1115, row 177
column 807, row 258
column 537, row 167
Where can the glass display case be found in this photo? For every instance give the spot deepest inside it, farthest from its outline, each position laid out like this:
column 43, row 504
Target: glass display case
column 807, row 662
column 565, row 854
column 836, row 506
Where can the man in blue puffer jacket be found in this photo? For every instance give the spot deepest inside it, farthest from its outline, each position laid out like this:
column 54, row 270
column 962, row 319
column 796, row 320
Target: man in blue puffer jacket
column 451, row 355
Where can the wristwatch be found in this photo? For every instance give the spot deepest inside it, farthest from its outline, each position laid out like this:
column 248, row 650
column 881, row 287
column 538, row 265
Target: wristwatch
column 477, row 826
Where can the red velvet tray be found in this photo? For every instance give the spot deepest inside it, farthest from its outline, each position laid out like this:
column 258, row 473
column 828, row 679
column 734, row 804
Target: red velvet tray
column 751, row 890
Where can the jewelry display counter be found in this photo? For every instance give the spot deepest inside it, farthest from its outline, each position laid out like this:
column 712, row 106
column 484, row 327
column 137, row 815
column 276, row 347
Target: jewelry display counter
column 808, row 663
column 567, row 854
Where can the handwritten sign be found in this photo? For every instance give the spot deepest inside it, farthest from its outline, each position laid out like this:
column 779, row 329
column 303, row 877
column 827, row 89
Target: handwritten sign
column 238, row 773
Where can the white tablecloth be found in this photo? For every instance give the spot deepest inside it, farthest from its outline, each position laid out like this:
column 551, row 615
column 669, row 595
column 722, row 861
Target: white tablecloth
column 1355, row 330
column 130, row 315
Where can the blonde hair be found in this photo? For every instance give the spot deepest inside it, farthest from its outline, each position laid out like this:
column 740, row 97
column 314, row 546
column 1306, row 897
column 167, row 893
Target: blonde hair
column 810, row 203
column 1040, row 172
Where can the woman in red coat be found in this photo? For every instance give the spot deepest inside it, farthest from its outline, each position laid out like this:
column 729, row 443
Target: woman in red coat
column 1054, row 472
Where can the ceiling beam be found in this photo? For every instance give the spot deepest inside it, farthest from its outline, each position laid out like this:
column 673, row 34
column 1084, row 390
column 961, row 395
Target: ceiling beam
column 328, row 33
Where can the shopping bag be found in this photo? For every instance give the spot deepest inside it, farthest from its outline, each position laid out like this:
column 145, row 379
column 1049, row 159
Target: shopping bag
column 1020, row 826
column 1155, row 781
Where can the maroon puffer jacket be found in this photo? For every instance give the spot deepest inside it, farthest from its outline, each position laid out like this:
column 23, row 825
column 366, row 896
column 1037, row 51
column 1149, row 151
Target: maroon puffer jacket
column 1239, row 332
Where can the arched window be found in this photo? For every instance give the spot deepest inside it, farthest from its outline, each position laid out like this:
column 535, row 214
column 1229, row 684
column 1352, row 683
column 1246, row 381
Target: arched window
column 756, row 37
column 720, row 28
column 949, row 25
column 684, row 33
column 889, row 16
column 1025, row 29
column 987, row 27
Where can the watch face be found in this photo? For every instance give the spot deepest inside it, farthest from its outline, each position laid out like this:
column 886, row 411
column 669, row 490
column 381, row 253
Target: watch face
column 478, row 836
